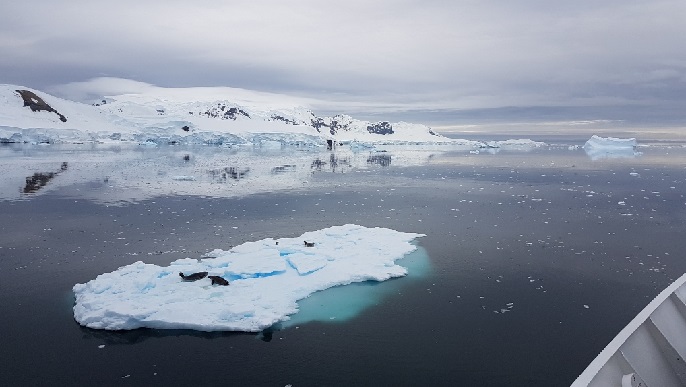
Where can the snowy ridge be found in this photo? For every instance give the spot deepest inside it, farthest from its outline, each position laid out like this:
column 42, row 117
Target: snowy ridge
column 267, row 278
column 185, row 116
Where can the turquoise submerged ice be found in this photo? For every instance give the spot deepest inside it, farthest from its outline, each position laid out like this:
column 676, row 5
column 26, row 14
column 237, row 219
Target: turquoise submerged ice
column 266, row 281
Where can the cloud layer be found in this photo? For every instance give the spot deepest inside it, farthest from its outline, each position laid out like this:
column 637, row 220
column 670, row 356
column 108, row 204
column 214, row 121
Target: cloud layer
column 401, row 54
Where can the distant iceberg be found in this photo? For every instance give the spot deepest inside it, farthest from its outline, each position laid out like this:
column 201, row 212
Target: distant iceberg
column 267, row 278
column 610, row 147
column 610, row 142
column 521, row 143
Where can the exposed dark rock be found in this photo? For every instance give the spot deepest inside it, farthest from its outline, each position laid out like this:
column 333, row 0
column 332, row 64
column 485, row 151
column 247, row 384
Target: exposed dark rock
column 223, row 112
column 335, row 126
column 338, row 124
column 318, row 123
column 36, row 103
column 185, row 128
column 383, row 128
column 276, row 117
column 234, row 111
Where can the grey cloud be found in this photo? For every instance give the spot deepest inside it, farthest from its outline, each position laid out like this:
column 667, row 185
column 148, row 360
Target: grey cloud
column 393, row 55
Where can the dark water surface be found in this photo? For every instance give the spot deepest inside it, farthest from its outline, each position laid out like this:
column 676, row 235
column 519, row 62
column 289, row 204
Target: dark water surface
column 537, row 259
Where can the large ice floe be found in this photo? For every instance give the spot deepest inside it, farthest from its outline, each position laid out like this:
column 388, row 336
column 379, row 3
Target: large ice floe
column 610, row 147
column 267, row 278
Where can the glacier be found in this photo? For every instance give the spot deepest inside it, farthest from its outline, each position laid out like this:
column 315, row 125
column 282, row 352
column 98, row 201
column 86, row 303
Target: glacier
column 219, row 116
column 188, row 116
column 267, row 279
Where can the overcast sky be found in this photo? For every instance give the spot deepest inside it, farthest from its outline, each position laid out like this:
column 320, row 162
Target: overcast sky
column 380, row 54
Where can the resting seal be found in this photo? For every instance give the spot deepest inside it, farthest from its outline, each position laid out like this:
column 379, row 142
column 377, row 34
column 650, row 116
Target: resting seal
column 194, row 276
column 217, row 280
column 309, row 244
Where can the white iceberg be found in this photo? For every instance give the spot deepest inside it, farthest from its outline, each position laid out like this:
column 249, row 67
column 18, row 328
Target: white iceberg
column 183, row 178
column 517, row 144
column 610, row 147
column 267, row 278
column 493, row 147
column 610, row 143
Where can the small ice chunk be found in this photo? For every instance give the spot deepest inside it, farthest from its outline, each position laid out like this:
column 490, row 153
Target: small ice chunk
column 183, row 178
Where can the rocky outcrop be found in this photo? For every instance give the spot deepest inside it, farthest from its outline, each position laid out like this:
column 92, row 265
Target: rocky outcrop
column 382, row 128
column 224, row 112
column 276, row 117
column 36, row 103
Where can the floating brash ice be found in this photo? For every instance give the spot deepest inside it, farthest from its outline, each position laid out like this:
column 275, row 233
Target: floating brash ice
column 267, row 278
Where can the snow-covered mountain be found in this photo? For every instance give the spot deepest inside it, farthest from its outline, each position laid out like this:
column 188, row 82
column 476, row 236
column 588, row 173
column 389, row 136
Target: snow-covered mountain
column 188, row 116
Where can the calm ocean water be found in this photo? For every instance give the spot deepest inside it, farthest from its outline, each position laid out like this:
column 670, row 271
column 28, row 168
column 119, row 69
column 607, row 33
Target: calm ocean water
column 534, row 259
